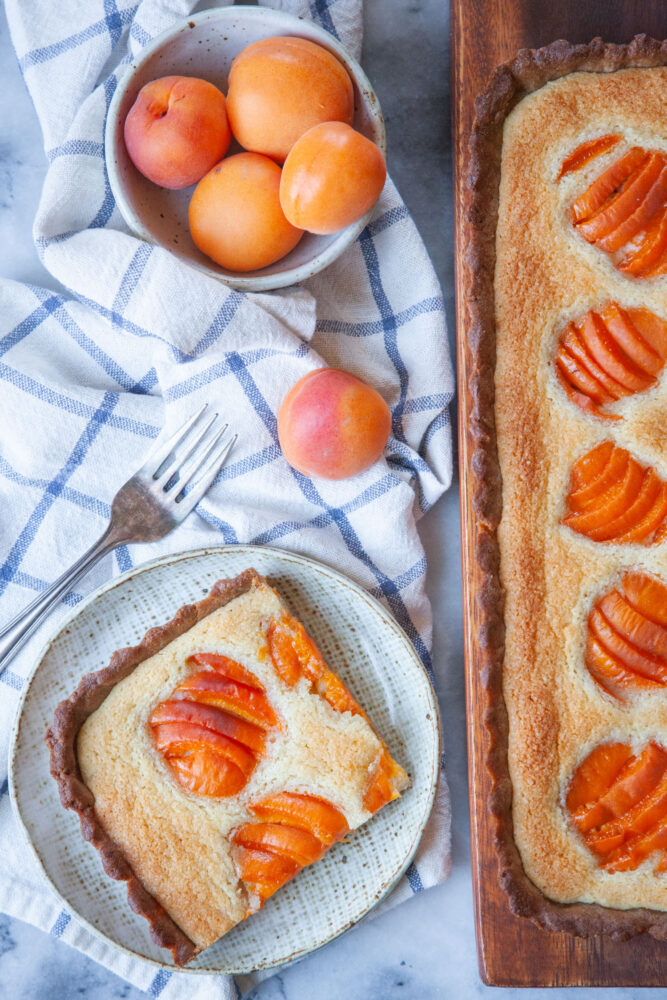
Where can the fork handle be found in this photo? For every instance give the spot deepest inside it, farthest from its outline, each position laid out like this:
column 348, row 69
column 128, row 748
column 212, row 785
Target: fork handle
column 27, row 620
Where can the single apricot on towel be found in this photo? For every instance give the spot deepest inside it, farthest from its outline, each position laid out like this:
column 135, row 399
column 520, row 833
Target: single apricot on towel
column 333, row 425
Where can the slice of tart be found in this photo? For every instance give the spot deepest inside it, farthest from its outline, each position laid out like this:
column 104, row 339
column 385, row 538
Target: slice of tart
column 214, row 760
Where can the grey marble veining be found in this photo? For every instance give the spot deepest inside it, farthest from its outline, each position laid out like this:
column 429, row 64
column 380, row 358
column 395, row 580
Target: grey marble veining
column 424, row 949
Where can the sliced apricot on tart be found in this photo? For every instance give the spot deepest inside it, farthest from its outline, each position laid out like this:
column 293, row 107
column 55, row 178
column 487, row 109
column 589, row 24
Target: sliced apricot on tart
column 608, row 182
column 245, row 702
column 616, row 212
column 573, row 342
column 648, row 250
column 212, row 730
column 652, row 328
column 598, row 770
column 645, row 665
column 261, row 872
column 609, row 673
column 653, row 194
column 305, row 811
column 611, row 473
column 647, row 595
column 605, row 349
column 178, row 739
column 293, row 652
column 619, row 324
column 290, row 842
column 215, row 719
column 623, row 212
column 644, row 633
column 205, row 772
column 381, row 787
column 586, row 152
column 295, row 830
column 227, row 668
column 617, row 800
column 613, row 498
column 295, row 656
column 591, row 465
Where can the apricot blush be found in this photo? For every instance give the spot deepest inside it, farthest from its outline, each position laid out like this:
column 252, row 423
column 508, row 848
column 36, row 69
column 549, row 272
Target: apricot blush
column 176, row 130
column 332, row 424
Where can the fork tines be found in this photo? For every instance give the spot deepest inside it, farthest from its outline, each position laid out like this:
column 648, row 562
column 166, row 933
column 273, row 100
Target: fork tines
column 195, row 453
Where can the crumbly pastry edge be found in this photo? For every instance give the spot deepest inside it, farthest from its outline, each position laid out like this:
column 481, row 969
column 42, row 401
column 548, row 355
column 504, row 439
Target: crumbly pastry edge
column 61, row 738
column 527, row 72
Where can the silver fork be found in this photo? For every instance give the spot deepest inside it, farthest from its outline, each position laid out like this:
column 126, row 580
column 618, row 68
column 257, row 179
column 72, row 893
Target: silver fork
column 147, row 507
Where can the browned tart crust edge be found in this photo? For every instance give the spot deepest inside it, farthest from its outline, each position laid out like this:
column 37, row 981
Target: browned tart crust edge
column 61, row 738
column 528, row 71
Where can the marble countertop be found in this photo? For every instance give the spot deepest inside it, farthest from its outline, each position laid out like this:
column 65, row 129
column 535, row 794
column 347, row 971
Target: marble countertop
column 425, row 948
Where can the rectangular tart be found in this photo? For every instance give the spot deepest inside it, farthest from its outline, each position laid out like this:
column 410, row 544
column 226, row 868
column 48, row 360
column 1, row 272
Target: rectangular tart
column 568, row 322
column 214, row 760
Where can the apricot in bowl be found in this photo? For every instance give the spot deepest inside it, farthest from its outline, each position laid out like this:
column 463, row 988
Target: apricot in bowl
column 176, row 130
column 204, row 45
column 332, row 176
column 332, row 424
column 235, row 214
column 279, row 88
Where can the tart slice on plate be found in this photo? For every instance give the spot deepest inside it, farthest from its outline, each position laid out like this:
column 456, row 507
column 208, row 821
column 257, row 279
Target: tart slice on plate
column 214, row 760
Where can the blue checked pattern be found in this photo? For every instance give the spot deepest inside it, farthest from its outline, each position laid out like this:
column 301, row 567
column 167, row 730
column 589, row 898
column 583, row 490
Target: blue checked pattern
column 89, row 379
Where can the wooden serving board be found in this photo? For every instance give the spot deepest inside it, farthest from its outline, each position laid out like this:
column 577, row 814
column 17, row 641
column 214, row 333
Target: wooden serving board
column 513, row 951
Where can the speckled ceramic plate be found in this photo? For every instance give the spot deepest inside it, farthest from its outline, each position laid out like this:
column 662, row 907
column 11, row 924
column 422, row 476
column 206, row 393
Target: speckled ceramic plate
column 359, row 639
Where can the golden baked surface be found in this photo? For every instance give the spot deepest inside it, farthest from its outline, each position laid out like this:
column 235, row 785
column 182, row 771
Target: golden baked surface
column 547, row 275
column 178, row 841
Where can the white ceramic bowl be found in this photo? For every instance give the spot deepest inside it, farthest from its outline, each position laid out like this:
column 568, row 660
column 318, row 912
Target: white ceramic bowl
column 204, row 45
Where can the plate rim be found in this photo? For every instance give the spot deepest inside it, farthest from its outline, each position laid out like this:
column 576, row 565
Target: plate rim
column 173, row 557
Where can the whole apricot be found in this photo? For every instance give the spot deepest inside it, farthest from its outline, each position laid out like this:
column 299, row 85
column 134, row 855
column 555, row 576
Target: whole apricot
column 332, row 424
column 331, row 177
column 235, row 214
column 279, row 88
column 176, row 130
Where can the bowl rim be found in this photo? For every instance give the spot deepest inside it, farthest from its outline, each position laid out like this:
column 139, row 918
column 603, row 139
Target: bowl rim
column 127, row 73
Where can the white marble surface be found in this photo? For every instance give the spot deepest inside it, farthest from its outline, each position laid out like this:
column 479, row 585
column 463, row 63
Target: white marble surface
column 425, row 948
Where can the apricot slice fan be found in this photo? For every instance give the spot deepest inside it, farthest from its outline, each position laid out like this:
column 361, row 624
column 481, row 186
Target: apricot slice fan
column 295, row 656
column 613, row 498
column 623, row 211
column 212, row 730
column 617, row 800
column 609, row 353
column 626, row 646
column 294, row 831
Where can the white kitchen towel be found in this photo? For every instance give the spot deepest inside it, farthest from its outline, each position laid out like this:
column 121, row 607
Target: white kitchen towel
column 89, row 378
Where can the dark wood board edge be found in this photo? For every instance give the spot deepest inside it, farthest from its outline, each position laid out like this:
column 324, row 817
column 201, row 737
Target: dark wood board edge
column 511, row 950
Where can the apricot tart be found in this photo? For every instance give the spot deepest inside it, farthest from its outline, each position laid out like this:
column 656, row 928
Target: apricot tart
column 214, row 760
column 568, row 335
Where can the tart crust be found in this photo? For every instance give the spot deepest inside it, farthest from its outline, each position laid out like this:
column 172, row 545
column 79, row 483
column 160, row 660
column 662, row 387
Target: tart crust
column 528, row 72
column 61, row 738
